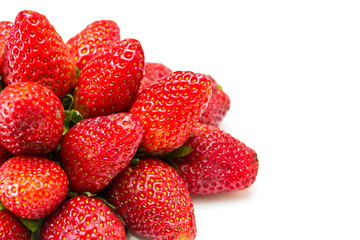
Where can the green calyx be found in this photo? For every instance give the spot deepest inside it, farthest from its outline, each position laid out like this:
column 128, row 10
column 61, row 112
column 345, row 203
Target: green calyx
column 72, row 117
column 32, row 224
column 180, row 152
column 77, row 72
column 67, row 101
column 2, row 207
column 134, row 161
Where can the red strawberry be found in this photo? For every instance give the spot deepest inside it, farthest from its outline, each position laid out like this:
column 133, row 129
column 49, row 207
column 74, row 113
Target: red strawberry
column 95, row 150
column 96, row 37
column 35, row 52
column 169, row 108
column 5, row 27
column 32, row 187
column 31, row 119
column 218, row 162
column 110, row 81
column 11, row 228
column 4, row 154
column 153, row 201
column 153, row 72
column 83, row 218
column 218, row 105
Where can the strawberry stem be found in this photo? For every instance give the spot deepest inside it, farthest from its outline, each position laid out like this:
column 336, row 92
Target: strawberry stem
column 2, row 207
column 89, row 194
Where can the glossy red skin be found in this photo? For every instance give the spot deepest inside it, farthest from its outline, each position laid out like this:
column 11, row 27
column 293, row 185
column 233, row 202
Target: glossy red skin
column 110, row 81
column 218, row 162
column 169, row 109
column 5, row 27
column 153, row 201
column 218, row 106
column 95, row 150
column 31, row 119
column 95, row 38
column 32, row 187
column 11, row 228
column 153, row 72
column 83, row 217
column 35, row 52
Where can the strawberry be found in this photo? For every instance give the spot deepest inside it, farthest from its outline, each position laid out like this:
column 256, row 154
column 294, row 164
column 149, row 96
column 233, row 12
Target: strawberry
column 110, row 81
column 96, row 37
column 31, row 119
column 32, row 187
column 4, row 154
column 169, row 109
column 11, row 227
column 153, row 201
column 218, row 105
column 5, row 27
column 83, row 217
column 95, row 150
column 218, row 162
column 35, row 52
column 153, row 72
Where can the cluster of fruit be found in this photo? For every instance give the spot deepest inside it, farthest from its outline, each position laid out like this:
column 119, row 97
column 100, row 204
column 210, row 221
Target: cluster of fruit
column 93, row 140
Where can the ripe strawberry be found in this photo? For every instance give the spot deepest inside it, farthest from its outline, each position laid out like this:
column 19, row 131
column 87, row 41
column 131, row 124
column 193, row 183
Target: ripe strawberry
column 31, row 119
column 11, row 227
column 5, row 27
column 153, row 201
column 4, row 154
column 110, row 81
column 218, row 105
column 153, row 72
column 32, row 187
column 35, row 52
column 95, row 150
column 83, row 218
column 95, row 38
column 169, row 108
column 218, row 162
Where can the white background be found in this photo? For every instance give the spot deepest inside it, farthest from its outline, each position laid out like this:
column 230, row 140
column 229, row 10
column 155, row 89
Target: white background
column 291, row 69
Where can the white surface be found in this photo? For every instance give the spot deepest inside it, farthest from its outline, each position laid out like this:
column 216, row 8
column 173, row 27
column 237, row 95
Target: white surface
column 291, row 69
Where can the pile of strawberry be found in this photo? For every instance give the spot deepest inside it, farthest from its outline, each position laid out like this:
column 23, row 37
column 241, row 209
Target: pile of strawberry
column 94, row 140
